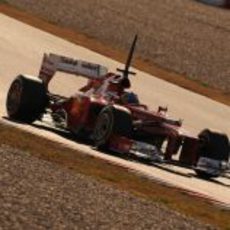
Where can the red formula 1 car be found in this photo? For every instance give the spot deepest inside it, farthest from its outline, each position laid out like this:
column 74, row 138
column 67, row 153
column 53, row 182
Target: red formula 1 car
column 105, row 111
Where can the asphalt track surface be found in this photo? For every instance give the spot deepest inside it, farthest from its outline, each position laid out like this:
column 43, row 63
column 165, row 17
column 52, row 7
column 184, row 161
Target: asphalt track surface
column 22, row 48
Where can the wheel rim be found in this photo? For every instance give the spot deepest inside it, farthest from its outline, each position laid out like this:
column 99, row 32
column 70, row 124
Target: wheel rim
column 103, row 127
column 14, row 98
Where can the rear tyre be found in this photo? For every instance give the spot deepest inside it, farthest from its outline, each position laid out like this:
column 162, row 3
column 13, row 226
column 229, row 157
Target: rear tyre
column 111, row 120
column 214, row 146
column 26, row 99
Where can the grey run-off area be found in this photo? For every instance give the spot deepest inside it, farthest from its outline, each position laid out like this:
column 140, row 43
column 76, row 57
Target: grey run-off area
column 184, row 36
column 36, row 194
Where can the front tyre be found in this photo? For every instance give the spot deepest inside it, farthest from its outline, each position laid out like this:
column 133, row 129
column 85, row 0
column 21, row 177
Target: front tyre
column 111, row 120
column 26, row 99
column 214, row 151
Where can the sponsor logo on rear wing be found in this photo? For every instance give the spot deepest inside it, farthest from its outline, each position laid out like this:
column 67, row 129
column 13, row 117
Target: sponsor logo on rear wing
column 53, row 62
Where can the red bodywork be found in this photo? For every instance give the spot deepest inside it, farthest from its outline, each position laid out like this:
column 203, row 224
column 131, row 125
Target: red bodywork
column 108, row 113
column 82, row 109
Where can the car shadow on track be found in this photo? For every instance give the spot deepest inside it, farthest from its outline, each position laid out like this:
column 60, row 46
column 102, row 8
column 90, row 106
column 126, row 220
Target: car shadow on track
column 86, row 141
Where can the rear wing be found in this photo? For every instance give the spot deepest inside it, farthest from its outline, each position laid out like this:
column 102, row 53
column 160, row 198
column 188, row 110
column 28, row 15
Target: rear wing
column 52, row 63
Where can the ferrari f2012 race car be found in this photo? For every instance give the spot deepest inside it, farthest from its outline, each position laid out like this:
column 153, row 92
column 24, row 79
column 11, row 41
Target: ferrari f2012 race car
column 105, row 111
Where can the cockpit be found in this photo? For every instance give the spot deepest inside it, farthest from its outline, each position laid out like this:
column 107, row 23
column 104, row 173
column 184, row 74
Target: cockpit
column 130, row 98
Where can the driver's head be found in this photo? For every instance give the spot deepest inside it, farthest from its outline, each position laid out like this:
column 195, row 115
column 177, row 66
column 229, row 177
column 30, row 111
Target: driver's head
column 129, row 98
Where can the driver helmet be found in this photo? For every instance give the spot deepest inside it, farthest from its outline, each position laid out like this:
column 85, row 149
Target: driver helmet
column 129, row 98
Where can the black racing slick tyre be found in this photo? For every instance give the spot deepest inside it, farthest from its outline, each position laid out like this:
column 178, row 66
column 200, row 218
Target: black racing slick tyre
column 111, row 120
column 204, row 175
column 214, row 146
column 26, row 99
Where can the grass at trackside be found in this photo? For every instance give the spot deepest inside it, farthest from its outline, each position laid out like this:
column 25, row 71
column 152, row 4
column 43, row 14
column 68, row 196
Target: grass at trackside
column 114, row 175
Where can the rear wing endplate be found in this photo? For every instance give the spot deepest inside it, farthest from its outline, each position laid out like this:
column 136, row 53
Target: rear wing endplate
column 52, row 63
